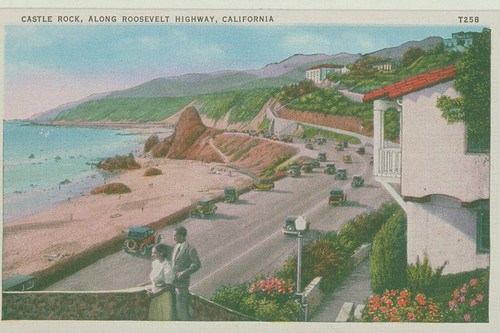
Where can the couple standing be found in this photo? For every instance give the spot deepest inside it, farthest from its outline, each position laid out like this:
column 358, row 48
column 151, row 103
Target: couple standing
column 184, row 262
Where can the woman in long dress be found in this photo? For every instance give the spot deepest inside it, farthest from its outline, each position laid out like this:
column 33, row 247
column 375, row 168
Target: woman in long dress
column 161, row 272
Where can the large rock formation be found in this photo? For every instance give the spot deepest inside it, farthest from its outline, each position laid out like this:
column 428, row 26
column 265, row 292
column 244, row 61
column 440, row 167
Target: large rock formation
column 119, row 163
column 191, row 140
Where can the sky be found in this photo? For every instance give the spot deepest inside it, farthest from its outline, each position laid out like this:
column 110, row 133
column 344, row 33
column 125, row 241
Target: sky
column 47, row 66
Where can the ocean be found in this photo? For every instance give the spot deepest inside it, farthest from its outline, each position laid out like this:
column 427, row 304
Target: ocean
column 46, row 165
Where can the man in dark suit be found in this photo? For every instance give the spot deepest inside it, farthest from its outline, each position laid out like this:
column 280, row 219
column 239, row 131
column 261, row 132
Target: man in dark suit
column 185, row 262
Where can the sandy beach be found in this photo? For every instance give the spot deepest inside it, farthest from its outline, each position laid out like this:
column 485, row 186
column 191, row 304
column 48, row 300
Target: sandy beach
column 35, row 242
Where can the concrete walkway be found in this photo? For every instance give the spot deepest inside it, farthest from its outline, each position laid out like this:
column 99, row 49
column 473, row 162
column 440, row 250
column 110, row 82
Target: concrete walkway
column 355, row 288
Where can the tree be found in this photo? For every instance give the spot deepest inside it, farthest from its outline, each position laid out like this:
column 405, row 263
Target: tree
column 411, row 55
column 388, row 256
column 473, row 82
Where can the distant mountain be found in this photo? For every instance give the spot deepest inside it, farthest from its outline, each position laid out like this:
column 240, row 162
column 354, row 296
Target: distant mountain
column 299, row 60
column 290, row 70
column 398, row 51
column 50, row 115
column 191, row 84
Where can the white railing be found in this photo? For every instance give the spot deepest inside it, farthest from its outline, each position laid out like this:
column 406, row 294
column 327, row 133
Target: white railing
column 388, row 163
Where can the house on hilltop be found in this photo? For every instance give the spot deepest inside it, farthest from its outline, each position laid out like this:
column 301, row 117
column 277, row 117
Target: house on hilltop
column 436, row 174
column 318, row 73
column 459, row 41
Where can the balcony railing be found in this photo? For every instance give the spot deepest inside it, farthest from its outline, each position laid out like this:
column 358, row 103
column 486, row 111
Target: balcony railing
column 388, row 164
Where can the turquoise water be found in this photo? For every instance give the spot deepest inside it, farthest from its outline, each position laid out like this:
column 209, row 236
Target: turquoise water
column 37, row 159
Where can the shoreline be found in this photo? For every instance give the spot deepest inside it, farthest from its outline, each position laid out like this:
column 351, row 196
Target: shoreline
column 72, row 227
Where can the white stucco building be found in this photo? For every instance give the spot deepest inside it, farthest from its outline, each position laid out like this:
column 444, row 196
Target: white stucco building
column 459, row 41
column 443, row 182
column 318, row 73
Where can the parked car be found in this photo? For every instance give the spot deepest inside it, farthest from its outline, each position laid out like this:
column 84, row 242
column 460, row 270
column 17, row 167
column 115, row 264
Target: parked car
column 263, row 185
column 320, row 141
column 341, row 174
column 322, row 156
column 19, row 282
column 345, row 144
column 339, row 147
column 230, row 194
column 286, row 139
column 141, row 240
column 330, row 169
column 309, row 146
column 294, row 171
column 315, row 163
column 337, row 197
column 307, row 167
column 357, row 181
column 289, row 227
column 274, row 138
column 203, row 208
column 347, row 159
column 371, row 160
column 361, row 150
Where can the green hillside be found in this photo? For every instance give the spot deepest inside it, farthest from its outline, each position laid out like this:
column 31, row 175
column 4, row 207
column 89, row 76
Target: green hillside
column 126, row 109
column 373, row 80
column 330, row 101
column 245, row 105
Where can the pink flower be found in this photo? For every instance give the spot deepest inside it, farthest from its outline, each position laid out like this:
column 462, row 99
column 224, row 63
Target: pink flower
column 473, row 303
column 473, row 282
column 462, row 299
column 467, row 317
column 453, row 304
column 464, row 289
column 480, row 297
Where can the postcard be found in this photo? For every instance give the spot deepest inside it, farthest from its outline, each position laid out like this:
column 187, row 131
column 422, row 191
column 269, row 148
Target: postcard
column 272, row 169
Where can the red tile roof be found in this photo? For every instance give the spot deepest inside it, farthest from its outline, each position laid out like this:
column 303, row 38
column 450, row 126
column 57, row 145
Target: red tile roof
column 326, row 66
column 413, row 84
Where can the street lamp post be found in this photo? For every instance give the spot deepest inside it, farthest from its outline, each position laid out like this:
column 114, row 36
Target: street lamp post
column 300, row 226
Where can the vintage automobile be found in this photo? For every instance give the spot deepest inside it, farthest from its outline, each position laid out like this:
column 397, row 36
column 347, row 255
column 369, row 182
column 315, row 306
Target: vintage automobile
column 307, row 167
column 203, row 208
column 347, row 159
column 263, row 185
column 290, row 229
column 320, row 141
column 322, row 156
column 19, row 282
column 361, row 150
column 339, row 147
column 337, row 197
column 330, row 169
column 230, row 194
column 357, row 181
column 141, row 240
column 341, row 174
column 294, row 171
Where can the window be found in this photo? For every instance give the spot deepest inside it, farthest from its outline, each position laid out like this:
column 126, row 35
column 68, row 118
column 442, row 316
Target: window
column 483, row 231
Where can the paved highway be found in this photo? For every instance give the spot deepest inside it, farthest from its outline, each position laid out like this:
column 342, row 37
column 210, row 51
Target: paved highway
column 244, row 240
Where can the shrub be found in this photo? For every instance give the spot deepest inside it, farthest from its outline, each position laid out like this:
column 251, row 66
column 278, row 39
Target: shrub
column 231, row 296
column 395, row 306
column 270, row 299
column 421, row 278
column 152, row 172
column 113, row 188
column 470, row 302
column 388, row 257
column 363, row 228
